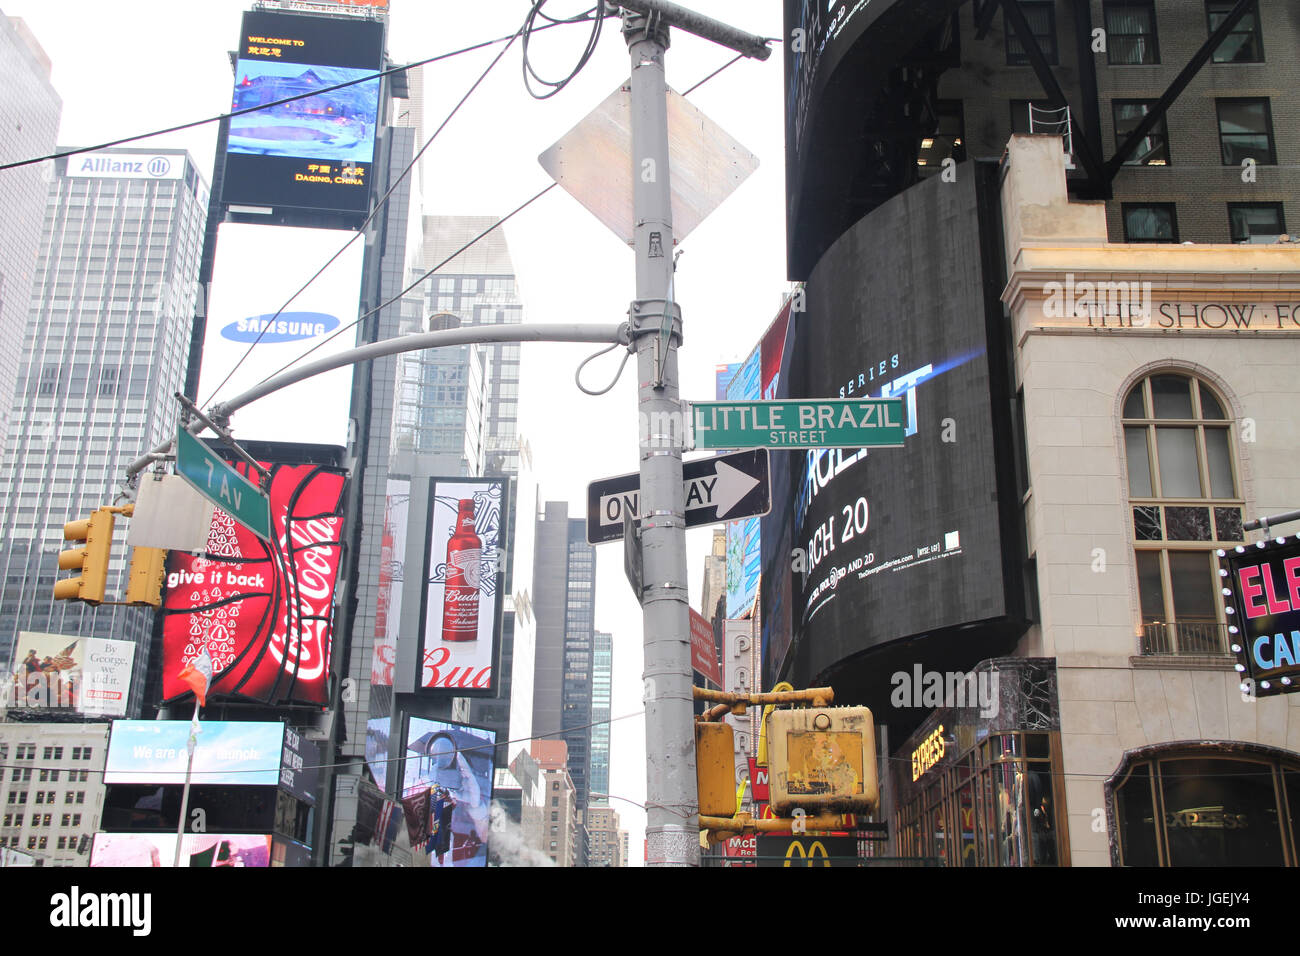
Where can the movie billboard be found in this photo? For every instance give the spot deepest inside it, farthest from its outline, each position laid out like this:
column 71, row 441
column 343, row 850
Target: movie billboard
column 198, row 849
column 302, row 130
column 893, row 543
column 87, row 675
column 258, row 269
column 228, row 753
column 263, row 612
column 454, row 763
column 464, row 579
column 1265, row 614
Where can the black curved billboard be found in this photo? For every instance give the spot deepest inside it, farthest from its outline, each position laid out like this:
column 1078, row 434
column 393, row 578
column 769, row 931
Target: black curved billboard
column 838, row 58
column 919, row 543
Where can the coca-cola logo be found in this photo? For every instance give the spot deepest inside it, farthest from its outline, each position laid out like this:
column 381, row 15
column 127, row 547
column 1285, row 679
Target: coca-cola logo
column 264, row 613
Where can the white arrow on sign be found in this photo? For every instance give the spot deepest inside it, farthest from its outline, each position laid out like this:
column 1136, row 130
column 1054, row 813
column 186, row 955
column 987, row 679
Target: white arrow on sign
column 732, row 485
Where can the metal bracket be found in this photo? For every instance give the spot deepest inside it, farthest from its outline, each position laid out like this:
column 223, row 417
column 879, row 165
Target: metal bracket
column 226, row 437
column 667, row 330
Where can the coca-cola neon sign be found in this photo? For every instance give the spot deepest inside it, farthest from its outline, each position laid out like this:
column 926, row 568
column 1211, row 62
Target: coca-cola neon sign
column 263, row 612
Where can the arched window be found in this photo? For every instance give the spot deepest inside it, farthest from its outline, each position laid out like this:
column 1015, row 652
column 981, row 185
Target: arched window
column 1185, row 495
column 1204, row 804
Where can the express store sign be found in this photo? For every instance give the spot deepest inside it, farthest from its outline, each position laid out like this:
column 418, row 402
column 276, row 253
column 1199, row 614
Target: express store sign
column 1262, row 599
column 264, row 612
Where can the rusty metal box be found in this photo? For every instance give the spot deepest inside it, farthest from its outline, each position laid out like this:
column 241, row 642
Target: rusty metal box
column 822, row 760
column 715, row 768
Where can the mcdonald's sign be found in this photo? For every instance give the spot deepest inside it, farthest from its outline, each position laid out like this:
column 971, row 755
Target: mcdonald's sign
column 783, row 850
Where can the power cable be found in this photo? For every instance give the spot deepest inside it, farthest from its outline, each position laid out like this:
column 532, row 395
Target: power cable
column 266, row 106
column 348, row 763
column 596, row 14
column 369, row 218
column 522, row 206
column 383, row 305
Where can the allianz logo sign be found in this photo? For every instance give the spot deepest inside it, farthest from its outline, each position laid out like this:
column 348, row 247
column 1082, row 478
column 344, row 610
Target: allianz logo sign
column 156, row 166
column 285, row 327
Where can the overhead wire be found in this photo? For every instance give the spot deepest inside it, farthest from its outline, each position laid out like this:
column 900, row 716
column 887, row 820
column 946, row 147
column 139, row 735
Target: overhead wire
column 596, row 14
column 429, row 273
column 60, row 154
column 522, row 31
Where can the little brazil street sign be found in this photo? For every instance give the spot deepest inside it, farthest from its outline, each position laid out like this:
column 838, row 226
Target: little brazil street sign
column 222, row 485
column 722, row 488
column 799, row 423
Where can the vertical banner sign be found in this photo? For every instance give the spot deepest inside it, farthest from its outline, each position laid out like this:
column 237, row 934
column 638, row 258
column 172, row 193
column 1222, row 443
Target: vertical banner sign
column 392, row 558
column 264, row 612
column 704, row 654
column 464, row 577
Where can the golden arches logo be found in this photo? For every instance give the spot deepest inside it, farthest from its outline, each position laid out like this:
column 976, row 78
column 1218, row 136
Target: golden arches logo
column 797, row 848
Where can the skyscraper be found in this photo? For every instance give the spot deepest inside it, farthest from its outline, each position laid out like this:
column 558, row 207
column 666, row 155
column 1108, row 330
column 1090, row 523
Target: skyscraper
column 602, row 674
column 29, row 124
column 104, row 350
column 564, row 589
column 477, row 287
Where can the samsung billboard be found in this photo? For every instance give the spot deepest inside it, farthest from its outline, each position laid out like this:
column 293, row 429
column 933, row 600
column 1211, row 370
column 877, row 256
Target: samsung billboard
column 247, row 338
column 913, row 551
column 302, row 133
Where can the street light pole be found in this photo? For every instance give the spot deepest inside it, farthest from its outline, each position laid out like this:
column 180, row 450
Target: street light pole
column 672, row 816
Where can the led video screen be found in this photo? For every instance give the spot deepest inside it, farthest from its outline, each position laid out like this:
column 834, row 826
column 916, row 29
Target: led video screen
column 464, row 579
column 893, row 543
column 316, row 150
column 454, row 763
column 229, row 753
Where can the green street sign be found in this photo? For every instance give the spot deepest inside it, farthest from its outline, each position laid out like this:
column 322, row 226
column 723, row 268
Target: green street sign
column 222, row 485
column 800, row 423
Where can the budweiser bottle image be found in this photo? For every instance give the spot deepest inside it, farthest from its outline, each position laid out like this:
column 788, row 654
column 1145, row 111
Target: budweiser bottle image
column 460, row 594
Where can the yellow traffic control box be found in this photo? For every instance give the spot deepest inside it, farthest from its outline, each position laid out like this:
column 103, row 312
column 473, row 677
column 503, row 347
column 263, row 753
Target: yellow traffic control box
column 715, row 768
column 822, row 760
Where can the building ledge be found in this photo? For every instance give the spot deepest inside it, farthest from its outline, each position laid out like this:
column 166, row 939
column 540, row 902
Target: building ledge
column 1181, row 662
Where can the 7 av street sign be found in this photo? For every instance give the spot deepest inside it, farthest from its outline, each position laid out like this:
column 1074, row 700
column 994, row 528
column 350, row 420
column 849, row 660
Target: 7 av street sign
column 799, row 423
column 222, row 485
column 723, row 488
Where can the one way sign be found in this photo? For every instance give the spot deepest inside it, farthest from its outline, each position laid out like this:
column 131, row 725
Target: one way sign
column 724, row 488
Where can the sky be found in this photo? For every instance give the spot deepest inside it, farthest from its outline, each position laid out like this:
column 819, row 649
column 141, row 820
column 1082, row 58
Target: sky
column 140, row 65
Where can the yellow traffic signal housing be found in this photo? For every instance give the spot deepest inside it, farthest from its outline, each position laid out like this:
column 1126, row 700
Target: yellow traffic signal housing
column 92, row 559
column 715, row 768
column 144, row 580
column 821, row 760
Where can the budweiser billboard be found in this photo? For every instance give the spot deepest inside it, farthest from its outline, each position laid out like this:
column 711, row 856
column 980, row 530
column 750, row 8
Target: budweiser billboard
column 464, row 576
column 263, row 612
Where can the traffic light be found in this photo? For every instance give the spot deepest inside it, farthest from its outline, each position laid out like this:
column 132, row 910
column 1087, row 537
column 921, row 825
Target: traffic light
column 822, row 759
column 144, row 579
column 92, row 559
column 715, row 768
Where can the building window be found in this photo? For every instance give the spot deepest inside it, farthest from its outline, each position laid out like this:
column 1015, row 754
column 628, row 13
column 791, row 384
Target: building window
column 1185, row 503
column 1246, row 220
column 1150, row 222
column 1246, row 131
column 1131, row 33
column 1152, row 149
column 1041, row 18
column 1243, row 44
